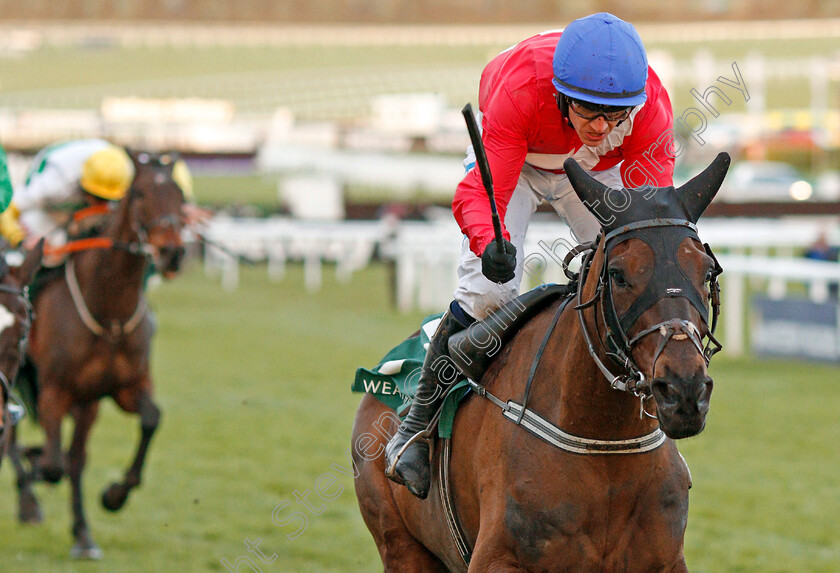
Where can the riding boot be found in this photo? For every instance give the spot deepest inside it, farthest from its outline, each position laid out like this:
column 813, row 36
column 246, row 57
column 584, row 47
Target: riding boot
column 409, row 464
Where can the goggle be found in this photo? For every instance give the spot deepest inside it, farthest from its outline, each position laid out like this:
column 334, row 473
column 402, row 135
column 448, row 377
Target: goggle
column 611, row 116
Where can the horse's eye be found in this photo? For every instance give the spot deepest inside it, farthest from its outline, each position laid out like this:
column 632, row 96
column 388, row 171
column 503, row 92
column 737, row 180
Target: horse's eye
column 618, row 278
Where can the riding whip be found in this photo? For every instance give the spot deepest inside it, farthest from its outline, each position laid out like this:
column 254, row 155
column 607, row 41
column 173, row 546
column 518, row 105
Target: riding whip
column 484, row 169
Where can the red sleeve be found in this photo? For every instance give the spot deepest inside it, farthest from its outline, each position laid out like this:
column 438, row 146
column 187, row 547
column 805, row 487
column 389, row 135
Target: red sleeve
column 506, row 146
column 648, row 158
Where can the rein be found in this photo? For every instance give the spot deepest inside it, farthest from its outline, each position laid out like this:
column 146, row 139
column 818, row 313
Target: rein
column 94, row 243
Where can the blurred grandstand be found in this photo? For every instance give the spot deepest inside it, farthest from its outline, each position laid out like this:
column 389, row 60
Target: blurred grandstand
column 408, row 11
column 273, row 111
column 318, row 108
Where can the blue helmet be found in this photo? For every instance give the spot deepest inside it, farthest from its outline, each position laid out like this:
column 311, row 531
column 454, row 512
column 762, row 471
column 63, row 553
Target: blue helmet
column 600, row 59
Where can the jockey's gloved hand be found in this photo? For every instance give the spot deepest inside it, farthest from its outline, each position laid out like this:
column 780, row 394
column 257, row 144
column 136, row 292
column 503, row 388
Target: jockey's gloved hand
column 498, row 266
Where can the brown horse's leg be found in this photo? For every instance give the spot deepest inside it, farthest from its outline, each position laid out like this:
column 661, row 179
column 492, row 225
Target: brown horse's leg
column 29, row 511
column 84, row 546
column 399, row 550
column 115, row 496
column 485, row 563
column 53, row 405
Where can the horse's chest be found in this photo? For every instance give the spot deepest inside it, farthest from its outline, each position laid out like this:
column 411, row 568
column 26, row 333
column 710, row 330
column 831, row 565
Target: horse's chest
column 589, row 526
column 108, row 370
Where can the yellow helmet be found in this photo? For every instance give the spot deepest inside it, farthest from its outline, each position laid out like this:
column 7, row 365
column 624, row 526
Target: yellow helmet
column 182, row 176
column 107, row 173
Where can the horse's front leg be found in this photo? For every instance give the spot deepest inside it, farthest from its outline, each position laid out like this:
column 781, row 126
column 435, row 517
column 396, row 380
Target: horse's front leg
column 493, row 551
column 84, row 546
column 29, row 510
column 115, row 496
column 481, row 563
column 53, row 405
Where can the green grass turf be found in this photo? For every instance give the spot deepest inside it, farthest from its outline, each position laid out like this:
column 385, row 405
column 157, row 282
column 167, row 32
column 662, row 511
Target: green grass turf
column 254, row 386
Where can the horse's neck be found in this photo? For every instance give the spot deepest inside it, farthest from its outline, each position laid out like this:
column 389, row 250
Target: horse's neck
column 585, row 404
column 574, row 391
column 112, row 278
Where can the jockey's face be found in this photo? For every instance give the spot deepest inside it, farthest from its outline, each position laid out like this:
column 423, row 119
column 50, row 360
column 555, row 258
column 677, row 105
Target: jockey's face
column 593, row 127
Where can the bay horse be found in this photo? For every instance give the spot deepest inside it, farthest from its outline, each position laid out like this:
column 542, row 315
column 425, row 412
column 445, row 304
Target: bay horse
column 91, row 339
column 567, row 472
column 15, row 320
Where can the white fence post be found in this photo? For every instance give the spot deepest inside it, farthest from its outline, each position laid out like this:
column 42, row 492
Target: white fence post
column 734, row 295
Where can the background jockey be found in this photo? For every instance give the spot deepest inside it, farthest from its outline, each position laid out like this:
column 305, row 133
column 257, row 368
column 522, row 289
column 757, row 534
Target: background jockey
column 5, row 182
column 586, row 92
column 69, row 176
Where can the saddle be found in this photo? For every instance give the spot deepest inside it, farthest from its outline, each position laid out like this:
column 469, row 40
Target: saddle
column 394, row 380
column 473, row 349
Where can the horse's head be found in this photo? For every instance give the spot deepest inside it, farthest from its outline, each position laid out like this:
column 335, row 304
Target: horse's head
column 155, row 209
column 656, row 282
column 15, row 320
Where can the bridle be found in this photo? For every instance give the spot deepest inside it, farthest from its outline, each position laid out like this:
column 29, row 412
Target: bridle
column 139, row 247
column 165, row 221
column 665, row 282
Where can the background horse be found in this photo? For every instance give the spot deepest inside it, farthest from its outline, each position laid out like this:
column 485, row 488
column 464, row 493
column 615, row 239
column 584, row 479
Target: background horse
column 583, row 480
column 15, row 320
column 91, row 339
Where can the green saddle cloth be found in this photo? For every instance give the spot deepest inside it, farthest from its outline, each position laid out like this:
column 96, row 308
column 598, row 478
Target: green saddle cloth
column 394, row 380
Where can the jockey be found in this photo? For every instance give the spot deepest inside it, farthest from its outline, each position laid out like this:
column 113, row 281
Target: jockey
column 69, row 176
column 63, row 178
column 5, row 182
column 585, row 92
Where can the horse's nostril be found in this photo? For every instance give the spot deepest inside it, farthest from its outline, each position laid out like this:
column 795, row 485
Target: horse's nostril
column 663, row 390
column 706, row 390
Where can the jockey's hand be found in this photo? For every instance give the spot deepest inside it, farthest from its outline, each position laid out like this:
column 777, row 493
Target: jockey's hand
column 194, row 215
column 10, row 227
column 498, row 266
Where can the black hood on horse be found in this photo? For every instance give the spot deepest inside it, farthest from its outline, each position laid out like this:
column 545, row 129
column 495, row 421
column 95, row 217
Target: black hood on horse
column 616, row 208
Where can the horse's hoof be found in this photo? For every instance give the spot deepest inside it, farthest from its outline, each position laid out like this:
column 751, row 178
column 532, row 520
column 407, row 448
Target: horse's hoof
column 90, row 551
column 32, row 453
column 29, row 511
column 114, row 497
column 52, row 474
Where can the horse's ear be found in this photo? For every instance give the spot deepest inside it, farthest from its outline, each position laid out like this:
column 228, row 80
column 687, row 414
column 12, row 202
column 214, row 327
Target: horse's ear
column 588, row 189
column 697, row 193
column 30, row 265
column 133, row 154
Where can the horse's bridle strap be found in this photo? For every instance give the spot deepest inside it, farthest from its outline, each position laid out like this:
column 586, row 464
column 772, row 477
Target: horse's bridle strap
column 648, row 224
